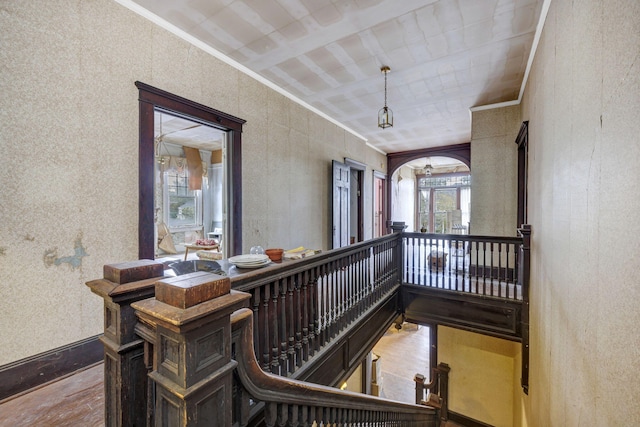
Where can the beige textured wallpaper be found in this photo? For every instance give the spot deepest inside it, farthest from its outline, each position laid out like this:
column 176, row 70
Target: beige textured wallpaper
column 582, row 101
column 481, row 380
column 69, row 145
column 494, row 168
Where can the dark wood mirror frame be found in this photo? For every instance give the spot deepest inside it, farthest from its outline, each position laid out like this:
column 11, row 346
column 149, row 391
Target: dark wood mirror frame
column 150, row 99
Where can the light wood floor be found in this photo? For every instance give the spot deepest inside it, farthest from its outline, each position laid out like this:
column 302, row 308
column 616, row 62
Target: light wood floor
column 403, row 354
column 78, row 400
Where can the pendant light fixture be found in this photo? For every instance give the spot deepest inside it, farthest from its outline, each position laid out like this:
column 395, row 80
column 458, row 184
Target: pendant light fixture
column 385, row 115
column 427, row 170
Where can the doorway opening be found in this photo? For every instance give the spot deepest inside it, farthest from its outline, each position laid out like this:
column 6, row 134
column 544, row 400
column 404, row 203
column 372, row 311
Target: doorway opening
column 379, row 202
column 190, row 195
column 152, row 101
column 432, row 195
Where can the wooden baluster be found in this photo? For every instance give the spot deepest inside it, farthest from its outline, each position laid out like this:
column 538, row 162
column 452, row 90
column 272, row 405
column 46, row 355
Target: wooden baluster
column 304, row 416
column 340, row 288
column 270, row 414
column 319, row 416
column 427, row 261
column 330, row 304
column 405, row 261
column 326, row 331
column 340, row 284
column 464, row 266
column 333, row 304
column 366, row 279
column 379, row 272
column 474, row 271
column 345, row 280
column 255, row 305
column 500, row 281
column 299, row 316
column 275, row 342
column 294, row 415
column 491, row 279
column 350, row 278
column 265, row 320
column 454, row 267
column 283, row 414
column 508, row 276
column 314, row 312
column 484, row 267
column 421, row 260
column 362, row 282
column 440, row 262
column 151, row 387
column 385, row 268
column 447, row 262
column 354, row 269
column 305, row 316
column 321, row 287
column 284, row 336
column 353, row 282
column 293, row 314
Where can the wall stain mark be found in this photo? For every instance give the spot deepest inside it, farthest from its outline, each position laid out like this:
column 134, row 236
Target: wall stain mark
column 50, row 256
column 3, row 251
column 29, row 238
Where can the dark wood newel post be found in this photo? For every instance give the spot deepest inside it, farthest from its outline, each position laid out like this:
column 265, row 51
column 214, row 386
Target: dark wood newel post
column 193, row 348
column 125, row 373
column 523, row 274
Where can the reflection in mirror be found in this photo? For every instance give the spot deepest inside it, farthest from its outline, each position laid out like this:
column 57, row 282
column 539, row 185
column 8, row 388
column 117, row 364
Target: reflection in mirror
column 189, row 190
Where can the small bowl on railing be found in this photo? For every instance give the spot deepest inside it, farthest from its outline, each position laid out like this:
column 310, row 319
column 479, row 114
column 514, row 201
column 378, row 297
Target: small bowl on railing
column 274, row 254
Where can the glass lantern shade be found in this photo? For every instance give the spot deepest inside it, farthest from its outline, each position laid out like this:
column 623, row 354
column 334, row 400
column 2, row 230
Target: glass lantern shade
column 385, row 117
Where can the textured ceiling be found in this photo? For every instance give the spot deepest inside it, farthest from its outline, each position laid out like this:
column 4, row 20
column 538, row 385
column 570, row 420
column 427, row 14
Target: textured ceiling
column 445, row 56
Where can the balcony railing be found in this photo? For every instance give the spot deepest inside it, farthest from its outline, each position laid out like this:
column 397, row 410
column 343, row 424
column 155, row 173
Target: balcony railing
column 479, row 265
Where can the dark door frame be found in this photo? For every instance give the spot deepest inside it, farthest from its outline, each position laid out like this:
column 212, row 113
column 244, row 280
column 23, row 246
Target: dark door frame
column 360, row 169
column 523, row 148
column 383, row 203
column 150, row 99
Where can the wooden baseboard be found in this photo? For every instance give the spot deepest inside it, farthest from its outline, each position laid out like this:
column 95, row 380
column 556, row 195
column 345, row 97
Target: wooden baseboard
column 466, row 421
column 31, row 372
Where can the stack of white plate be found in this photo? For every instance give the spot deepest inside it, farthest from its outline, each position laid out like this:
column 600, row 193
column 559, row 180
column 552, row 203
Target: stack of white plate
column 249, row 261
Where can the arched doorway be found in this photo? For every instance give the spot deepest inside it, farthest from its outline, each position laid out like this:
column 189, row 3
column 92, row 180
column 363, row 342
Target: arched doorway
column 429, row 189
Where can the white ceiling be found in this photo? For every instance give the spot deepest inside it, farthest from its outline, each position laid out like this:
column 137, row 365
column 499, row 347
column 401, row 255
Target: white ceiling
column 445, row 56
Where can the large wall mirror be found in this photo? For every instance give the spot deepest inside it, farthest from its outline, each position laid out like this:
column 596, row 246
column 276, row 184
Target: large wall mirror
column 189, row 175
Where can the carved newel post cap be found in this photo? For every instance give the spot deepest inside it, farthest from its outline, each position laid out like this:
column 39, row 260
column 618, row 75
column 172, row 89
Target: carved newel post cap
column 133, row 271
column 192, row 289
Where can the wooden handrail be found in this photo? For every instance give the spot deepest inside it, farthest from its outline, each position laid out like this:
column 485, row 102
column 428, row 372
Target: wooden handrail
column 292, row 401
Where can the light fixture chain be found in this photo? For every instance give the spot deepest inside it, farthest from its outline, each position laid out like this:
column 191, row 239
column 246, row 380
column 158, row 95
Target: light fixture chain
column 385, row 89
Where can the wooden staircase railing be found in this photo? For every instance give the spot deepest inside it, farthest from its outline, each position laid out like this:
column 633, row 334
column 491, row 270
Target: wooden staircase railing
column 289, row 402
column 300, row 310
column 301, row 306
